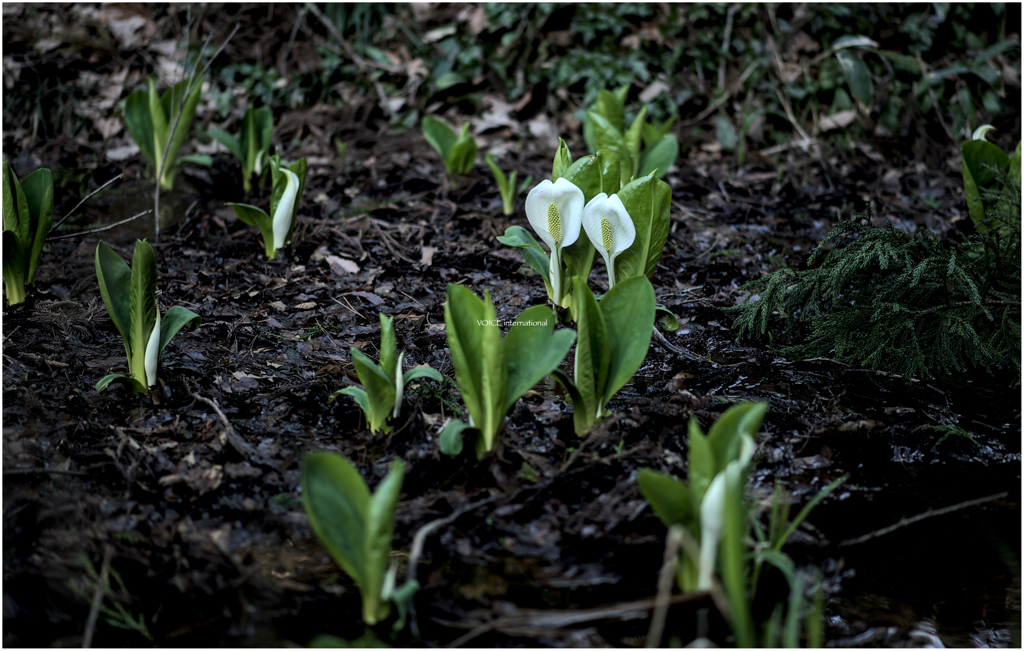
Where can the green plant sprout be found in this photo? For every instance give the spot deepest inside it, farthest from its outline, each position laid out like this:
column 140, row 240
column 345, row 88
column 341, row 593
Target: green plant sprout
column 129, row 295
column 457, row 151
column 716, row 518
column 117, row 616
column 252, row 146
column 605, row 128
column 288, row 183
column 28, row 214
column 493, row 372
column 507, row 185
column 356, row 526
column 612, row 342
column 160, row 124
column 985, row 167
column 381, row 397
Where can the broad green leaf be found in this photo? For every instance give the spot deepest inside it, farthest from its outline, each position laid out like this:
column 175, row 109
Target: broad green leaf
column 379, row 388
column 563, row 159
column 648, row 202
column 337, row 501
column 229, row 141
column 632, row 139
column 536, row 258
column 981, row 162
column 659, row 157
column 606, row 136
column 256, row 217
column 174, row 320
column 669, row 497
column 574, row 395
column 532, row 351
column 668, row 321
column 724, row 436
column 733, row 553
column 478, row 355
column 450, row 439
column 418, row 372
column 38, row 189
column 358, row 395
column 499, row 176
column 609, row 107
column 628, row 312
column 622, row 92
column 107, row 379
column 593, row 356
column 114, row 278
column 700, row 462
column 463, row 153
column 142, row 307
column 196, row 159
column 388, row 347
column 857, row 76
column 140, row 123
column 380, row 527
column 172, row 104
column 440, row 136
column 14, row 265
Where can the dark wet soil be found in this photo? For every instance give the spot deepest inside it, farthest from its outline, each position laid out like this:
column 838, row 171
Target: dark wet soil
column 200, row 519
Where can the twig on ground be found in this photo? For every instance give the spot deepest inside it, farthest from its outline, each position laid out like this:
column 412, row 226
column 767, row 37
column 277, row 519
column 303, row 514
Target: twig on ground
column 930, row 513
column 87, row 197
column 665, row 580
column 681, row 352
column 102, row 228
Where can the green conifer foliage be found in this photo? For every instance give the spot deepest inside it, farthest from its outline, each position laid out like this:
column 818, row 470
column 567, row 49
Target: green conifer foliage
column 905, row 303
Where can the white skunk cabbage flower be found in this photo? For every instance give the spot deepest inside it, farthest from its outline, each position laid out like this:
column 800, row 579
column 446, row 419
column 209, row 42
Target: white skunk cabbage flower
column 399, row 386
column 285, row 208
column 609, row 228
column 712, row 512
column 153, row 352
column 555, row 211
column 981, row 132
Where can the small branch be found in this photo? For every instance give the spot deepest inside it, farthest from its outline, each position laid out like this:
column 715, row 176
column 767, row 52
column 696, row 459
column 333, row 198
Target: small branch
column 665, row 580
column 102, row 228
column 358, row 60
column 45, row 471
column 930, row 513
column 681, row 352
column 89, row 196
column 97, row 598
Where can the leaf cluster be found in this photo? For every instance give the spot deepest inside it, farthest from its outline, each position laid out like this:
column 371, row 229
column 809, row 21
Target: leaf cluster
column 28, row 215
column 900, row 302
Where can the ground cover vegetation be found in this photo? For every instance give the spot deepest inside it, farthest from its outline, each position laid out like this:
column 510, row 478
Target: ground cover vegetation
column 823, row 202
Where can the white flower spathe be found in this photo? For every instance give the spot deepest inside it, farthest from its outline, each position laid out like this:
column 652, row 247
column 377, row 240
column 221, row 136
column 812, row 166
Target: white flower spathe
column 712, row 511
column 153, row 351
column 555, row 211
column 609, row 228
column 399, row 387
column 285, row 208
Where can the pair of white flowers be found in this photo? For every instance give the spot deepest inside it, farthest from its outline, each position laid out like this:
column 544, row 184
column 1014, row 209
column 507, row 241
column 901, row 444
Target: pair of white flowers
column 557, row 212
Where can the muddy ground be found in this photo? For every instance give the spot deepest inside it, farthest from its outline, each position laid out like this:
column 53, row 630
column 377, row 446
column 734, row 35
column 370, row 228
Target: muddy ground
column 188, row 499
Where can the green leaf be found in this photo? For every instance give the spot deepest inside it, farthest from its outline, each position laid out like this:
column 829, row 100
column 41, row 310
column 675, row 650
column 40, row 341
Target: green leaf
column 725, row 133
column 533, row 350
column 700, row 462
column 1014, row 169
column 380, row 526
column 337, row 501
column 610, row 108
column 174, row 320
column 14, row 265
column 140, row 123
column 478, row 355
column 632, row 139
column 196, row 159
column 725, row 437
column 142, row 307
column 562, row 162
column 360, row 397
column 499, row 176
column 450, row 440
column 668, row 322
column 418, row 372
column 114, row 277
column 659, row 157
column 981, row 162
column 648, row 201
column 107, row 379
column 229, row 141
column 172, row 104
column 256, row 217
column 593, row 356
column 628, row 311
column 440, row 136
column 533, row 253
column 669, row 497
column 38, row 189
column 606, row 136
column 733, row 554
column 388, row 347
column 857, row 76
column 379, row 388
column 463, row 153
